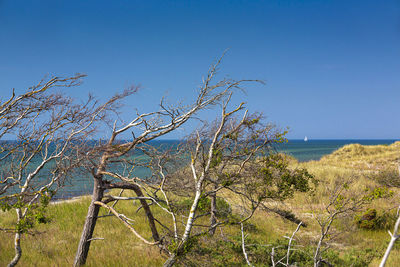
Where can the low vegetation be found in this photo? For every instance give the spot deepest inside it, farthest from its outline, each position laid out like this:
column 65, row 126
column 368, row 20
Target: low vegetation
column 365, row 158
column 358, row 238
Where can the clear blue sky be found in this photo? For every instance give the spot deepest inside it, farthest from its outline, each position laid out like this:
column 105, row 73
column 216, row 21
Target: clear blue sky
column 332, row 68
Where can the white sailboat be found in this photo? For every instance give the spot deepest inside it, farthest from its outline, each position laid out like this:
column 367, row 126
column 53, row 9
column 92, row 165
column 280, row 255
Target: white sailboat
column 305, row 139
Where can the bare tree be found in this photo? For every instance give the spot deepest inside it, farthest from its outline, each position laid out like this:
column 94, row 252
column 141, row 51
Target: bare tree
column 206, row 153
column 289, row 249
column 47, row 127
column 231, row 155
column 223, row 156
column 151, row 125
column 342, row 202
column 215, row 163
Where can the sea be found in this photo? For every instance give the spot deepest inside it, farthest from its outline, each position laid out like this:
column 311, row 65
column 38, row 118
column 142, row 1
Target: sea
column 300, row 149
column 315, row 149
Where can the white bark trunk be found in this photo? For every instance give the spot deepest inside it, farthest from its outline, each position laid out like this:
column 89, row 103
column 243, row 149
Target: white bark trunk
column 17, row 243
column 18, row 250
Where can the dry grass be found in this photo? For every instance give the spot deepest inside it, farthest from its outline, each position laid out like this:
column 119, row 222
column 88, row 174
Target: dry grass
column 361, row 157
column 56, row 243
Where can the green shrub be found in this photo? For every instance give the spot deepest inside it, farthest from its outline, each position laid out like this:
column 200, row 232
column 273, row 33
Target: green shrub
column 371, row 220
column 229, row 253
column 224, row 210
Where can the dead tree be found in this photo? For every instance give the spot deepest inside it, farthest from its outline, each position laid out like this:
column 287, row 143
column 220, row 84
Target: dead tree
column 47, row 128
column 222, row 157
column 203, row 150
column 225, row 156
column 343, row 201
column 229, row 156
column 150, row 126
column 289, row 249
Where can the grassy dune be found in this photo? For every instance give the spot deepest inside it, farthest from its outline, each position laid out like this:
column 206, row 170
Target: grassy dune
column 54, row 244
column 361, row 157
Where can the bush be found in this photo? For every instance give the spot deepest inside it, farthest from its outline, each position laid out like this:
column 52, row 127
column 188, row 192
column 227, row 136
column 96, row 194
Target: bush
column 371, row 220
column 230, row 253
column 224, row 210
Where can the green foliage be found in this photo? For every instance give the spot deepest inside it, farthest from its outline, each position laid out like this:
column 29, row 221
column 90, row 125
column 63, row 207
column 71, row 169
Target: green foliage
column 186, row 247
column 303, row 256
column 353, row 258
column 5, row 205
column 261, row 255
column 226, row 179
column 204, row 204
column 216, row 252
column 281, row 137
column 35, row 212
column 228, row 252
column 233, row 136
column 224, row 210
column 273, row 179
column 345, row 200
column 249, row 227
column 250, row 122
column 377, row 193
column 372, row 220
column 217, row 158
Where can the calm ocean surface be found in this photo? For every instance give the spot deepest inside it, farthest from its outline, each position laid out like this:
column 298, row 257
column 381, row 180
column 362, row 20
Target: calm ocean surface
column 315, row 149
column 301, row 150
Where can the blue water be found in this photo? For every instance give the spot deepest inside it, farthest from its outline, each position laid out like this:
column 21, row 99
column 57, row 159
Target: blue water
column 315, row 149
column 82, row 183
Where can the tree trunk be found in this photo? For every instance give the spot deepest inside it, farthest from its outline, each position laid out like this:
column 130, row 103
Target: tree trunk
column 90, row 223
column 317, row 256
column 149, row 214
column 143, row 202
column 189, row 224
column 18, row 250
column 389, row 248
column 17, row 243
